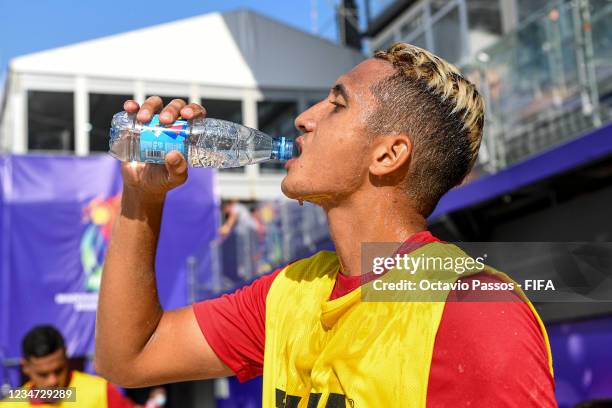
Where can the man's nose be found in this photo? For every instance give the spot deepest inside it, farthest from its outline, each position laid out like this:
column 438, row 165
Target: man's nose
column 305, row 121
column 52, row 380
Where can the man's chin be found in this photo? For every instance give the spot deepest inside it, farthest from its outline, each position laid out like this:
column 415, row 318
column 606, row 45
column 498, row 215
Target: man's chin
column 294, row 193
column 289, row 192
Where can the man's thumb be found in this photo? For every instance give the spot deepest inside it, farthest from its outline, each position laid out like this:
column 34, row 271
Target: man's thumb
column 177, row 167
column 173, row 158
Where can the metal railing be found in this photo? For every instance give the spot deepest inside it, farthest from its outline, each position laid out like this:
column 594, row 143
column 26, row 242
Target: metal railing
column 277, row 233
column 547, row 82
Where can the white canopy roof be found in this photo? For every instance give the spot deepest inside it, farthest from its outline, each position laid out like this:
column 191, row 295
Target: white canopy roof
column 239, row 48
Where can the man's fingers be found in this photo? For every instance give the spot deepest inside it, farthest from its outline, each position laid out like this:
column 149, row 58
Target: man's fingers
column 177, row 168
column 171, row 112
column 192, row 111
column 131, row 106
column 151, row 106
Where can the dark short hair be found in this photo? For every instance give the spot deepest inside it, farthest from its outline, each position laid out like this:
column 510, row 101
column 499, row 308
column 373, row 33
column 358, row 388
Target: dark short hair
column 41, row 341
column 441, row 112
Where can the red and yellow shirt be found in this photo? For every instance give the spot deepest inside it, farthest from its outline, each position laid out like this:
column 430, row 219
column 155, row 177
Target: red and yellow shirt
column 480, row 353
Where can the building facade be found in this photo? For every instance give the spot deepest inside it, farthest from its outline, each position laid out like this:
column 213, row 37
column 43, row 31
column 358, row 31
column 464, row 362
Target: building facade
column 247, row 69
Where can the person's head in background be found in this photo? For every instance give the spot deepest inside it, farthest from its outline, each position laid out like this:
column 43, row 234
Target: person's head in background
column 44, row 357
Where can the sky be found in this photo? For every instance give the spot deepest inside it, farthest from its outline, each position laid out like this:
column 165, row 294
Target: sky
column 34, row 25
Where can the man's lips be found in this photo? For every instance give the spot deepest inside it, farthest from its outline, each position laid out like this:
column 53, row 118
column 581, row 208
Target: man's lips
column 299, row 141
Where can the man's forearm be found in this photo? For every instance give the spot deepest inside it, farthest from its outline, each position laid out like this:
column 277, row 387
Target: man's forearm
column 129, row 308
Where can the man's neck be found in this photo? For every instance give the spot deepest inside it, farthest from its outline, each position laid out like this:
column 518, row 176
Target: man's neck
column 386, row 218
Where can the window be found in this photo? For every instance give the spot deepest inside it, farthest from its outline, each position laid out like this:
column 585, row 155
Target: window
column 102, row 107
column 276, row 119
column 230, row 110
column 484, row 16
column 448, row 37
column 50, row 121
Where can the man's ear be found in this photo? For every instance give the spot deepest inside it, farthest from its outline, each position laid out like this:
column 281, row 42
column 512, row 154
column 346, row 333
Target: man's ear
column 390, row 152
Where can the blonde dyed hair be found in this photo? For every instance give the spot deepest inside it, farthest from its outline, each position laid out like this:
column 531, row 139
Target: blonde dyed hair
column 440, row 110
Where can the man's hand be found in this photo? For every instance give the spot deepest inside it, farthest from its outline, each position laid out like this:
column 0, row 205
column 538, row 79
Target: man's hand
column 137, row 342
column 154, row 180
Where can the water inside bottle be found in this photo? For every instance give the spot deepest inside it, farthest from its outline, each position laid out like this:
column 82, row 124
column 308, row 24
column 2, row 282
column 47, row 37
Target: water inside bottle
column 222, row 144
column 204, row 158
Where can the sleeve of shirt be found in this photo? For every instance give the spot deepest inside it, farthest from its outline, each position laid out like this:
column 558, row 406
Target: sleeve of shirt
column 115, row 399
column 234, row 326
column 490, row 354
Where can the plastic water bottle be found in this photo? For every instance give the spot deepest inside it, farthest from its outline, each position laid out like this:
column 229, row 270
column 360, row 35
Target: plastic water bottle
column 205, row 142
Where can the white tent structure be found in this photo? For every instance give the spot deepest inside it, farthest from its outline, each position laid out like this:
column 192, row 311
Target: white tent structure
column 239, row 62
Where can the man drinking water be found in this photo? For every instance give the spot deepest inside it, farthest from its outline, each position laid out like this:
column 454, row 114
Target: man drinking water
column 394, row 134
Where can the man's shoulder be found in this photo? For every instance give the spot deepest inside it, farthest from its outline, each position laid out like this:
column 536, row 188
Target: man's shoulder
column 491, row 319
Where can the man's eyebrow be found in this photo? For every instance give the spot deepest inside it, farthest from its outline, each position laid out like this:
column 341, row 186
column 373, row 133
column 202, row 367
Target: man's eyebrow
column 340, row 89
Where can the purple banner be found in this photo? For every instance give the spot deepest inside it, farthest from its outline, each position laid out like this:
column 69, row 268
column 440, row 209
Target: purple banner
column 57, row 214
column 581, row 358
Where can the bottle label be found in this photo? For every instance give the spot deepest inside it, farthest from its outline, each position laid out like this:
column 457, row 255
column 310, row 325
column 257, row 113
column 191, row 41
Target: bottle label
column 156, row 140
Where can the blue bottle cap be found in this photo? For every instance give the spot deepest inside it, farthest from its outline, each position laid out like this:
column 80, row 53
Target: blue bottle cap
column 283, row 149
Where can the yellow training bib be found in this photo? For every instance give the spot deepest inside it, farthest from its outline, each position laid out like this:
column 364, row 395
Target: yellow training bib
column 347, row 352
